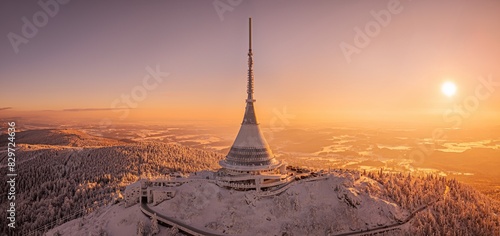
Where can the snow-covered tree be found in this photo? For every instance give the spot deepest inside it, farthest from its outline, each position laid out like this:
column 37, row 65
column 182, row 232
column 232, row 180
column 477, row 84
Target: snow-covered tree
column 173, row 231
column 155, row 229
column 140, row 228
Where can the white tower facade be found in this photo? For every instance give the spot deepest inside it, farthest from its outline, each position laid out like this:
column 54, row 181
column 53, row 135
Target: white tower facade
column 250, row 162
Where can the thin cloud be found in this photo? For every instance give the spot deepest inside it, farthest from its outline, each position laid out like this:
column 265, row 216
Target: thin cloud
column 5, row 108
column 94, row 109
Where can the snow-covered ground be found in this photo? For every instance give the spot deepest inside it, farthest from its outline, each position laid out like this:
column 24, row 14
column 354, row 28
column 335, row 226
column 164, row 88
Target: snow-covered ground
column 113, row 220
column 344, row 202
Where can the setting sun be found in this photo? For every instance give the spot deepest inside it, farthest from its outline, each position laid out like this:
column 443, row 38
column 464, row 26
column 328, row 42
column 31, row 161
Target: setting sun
column 449, row 89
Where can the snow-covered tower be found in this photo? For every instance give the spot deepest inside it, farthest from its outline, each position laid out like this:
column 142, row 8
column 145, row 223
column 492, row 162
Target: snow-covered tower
column 250, row 158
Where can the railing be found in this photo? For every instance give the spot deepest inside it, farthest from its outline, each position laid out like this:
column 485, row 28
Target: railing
column 278, row 191
column 235, row 185
column 174, row 222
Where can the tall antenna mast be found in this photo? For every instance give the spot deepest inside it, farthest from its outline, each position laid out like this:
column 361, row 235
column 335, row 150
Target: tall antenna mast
column 250, row 63
column 250, row 33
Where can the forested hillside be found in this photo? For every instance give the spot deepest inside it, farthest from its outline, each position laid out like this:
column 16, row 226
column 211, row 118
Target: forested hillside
column 60, row 137
column 453, row 208
column 55, row 181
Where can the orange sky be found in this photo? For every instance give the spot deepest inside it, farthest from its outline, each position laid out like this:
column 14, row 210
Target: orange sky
column 81, row 62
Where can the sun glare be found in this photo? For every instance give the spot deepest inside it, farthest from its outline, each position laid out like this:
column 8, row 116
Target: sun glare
column 449, row 89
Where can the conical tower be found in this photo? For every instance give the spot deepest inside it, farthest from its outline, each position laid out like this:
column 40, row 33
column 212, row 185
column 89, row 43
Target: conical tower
column 250, row 151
